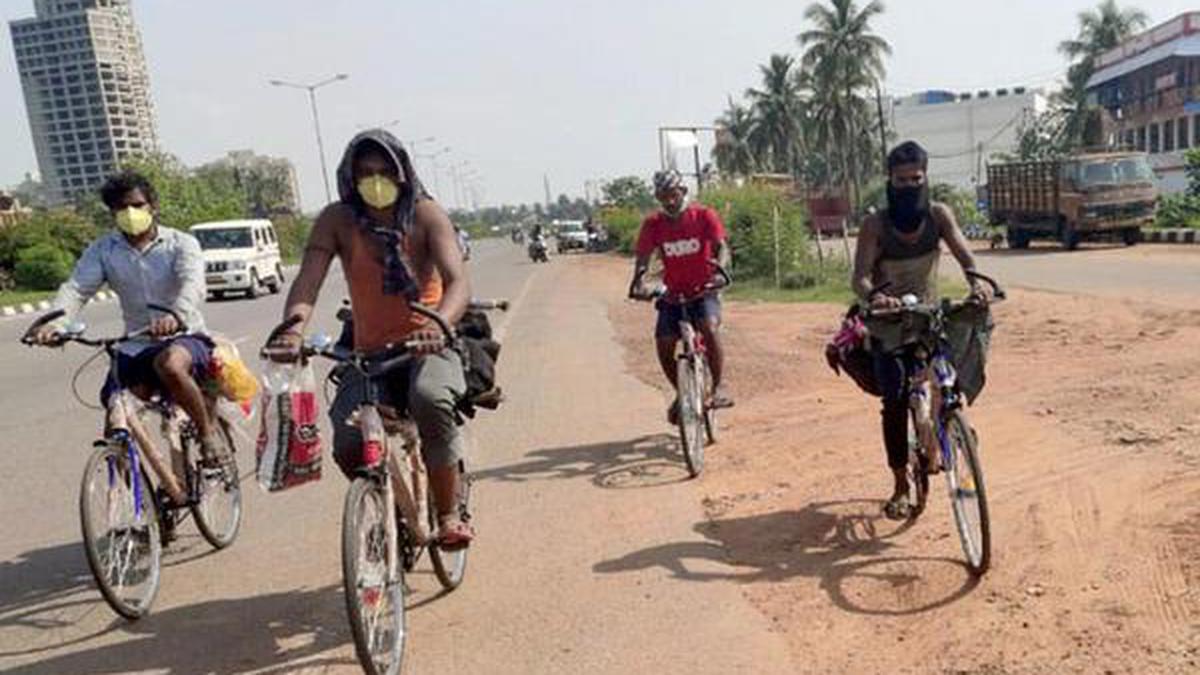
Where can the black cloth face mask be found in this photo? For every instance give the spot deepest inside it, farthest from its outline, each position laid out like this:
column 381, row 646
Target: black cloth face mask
column 908, row 207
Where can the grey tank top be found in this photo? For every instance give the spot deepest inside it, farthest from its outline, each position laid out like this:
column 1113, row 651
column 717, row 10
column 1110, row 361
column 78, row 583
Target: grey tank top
column 909, row 267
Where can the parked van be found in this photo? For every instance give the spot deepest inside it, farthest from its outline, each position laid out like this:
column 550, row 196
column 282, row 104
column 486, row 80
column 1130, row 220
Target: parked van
column 240, row 256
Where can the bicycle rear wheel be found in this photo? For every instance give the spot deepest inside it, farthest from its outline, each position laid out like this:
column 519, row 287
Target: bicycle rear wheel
column 121, row 529
column 450, row 566
column 374, row 603
column 216, row 497
column 691, row 414
column 968, row 499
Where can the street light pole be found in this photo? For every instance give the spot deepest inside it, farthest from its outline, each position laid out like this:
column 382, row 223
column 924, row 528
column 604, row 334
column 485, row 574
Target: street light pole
column 312, row 99
column 433, row 157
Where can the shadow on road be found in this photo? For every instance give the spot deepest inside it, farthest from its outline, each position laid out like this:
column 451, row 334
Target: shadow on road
column 647, row 461
column 841, row 544
column 270, row 633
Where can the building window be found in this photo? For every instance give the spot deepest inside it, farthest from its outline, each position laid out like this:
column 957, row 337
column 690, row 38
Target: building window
column 1168, row 133
column 1154, row 138
column 1141, row 136
column 1130, row 139
column 1182, row 133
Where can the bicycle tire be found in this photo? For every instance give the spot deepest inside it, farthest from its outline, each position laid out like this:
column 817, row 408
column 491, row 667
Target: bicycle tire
column 450, row 567
column 201, row 482
column 366, row 644
column 691, row 416
column 976, row 539
column 110, row 462
column 710, row 413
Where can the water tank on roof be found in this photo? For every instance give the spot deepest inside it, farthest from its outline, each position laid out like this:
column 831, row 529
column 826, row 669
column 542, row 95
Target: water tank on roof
column 1017, row 91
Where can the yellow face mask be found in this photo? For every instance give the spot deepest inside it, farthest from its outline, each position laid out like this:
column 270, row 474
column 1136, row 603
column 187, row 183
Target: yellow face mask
column 378, row 191
column 134, row 221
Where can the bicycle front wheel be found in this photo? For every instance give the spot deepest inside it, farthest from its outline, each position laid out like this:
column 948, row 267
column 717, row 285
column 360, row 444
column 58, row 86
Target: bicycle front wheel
column 450, row 565
column 374, row 600
column 216, row 496
column 121, row 529
column 968, row 498
column 691, row 414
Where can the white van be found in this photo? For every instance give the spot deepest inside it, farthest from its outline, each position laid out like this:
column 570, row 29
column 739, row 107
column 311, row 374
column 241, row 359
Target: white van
column 240, row 255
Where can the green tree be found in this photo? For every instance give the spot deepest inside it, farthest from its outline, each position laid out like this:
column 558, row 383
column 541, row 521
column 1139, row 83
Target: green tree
column 776, row 130
column 1100, row 30
column 190, row 197
column 845, row 58
column 628, row 192
column 733, row 153
column 1043, row 136
column 42, row 267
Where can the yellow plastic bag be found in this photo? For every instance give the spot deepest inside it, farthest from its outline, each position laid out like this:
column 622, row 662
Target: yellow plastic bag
column 233, row 377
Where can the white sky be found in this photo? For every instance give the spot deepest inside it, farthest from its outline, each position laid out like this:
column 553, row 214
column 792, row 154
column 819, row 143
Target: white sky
column 521, row 88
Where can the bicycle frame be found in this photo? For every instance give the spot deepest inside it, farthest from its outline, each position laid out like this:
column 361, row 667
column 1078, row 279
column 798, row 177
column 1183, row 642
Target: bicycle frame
column 929, row 404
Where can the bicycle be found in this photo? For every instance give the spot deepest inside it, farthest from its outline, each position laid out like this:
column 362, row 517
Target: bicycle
column 697, row 418
column 383, row 536
column 127, row 519
column 939, row 420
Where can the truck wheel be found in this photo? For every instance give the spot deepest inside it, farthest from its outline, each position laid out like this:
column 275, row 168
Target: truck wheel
column 1131, row 236
column 1017, row 239
column 1070, row 238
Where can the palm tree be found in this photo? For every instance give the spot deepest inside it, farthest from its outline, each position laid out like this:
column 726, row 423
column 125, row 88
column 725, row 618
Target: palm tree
column 778, row 109
column 733, row 152
column 844, row 58
column 1100, row 29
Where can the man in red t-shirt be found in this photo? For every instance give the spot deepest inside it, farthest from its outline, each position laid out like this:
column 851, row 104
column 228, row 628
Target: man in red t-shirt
column 688, row 237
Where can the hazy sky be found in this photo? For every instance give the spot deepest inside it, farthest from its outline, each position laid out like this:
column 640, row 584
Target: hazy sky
column 519, row 88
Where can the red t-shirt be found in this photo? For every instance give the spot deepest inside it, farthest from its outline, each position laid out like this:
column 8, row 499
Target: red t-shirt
column 686, row 245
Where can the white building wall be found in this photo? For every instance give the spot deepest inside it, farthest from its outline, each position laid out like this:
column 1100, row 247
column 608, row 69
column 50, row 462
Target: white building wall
column 962, row 136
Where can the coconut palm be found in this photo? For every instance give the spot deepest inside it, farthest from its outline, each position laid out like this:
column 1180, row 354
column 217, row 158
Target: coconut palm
column 1100, row 29
column 778, row 110
column 844, row 58
column 733, row 152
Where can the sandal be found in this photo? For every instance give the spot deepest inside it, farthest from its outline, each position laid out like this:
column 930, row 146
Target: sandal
column 454, row 533
column 898, row 508
column 720, row 399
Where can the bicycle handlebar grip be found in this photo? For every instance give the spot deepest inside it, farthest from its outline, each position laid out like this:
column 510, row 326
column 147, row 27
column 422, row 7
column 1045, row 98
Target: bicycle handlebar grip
column 27, row 338
column 433, row 316
column 484, row 305
column 183, row 327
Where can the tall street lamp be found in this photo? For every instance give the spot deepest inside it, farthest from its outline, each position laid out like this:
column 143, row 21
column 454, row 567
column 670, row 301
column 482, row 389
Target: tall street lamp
column 312, row 99
column 433, row 157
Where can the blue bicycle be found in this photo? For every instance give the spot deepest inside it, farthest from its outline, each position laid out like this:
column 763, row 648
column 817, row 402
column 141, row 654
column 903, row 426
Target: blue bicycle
column 937, row 408
column 126, row 517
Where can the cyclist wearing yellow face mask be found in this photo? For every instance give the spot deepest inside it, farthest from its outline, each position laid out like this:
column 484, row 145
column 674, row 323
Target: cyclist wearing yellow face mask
column 396, row 245
column 145, row 264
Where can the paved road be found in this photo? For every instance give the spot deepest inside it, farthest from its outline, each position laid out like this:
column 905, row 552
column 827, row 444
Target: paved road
column 578, row 491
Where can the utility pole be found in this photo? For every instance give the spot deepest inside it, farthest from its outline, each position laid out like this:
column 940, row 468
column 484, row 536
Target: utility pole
column 312, row 100
column 546, row 185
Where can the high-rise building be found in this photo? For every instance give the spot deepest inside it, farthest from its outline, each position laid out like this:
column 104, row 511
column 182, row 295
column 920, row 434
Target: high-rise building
column 86, row 89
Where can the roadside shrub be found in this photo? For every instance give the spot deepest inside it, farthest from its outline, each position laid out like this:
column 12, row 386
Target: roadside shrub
column 293, row 235
column 1181, row 210
column 42, row 267
column 749, row 216
column 623, row 224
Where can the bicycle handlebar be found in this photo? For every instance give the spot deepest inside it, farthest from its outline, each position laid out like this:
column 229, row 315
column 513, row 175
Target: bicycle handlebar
column 660, row 293
column 62, row 338
column 274, row 353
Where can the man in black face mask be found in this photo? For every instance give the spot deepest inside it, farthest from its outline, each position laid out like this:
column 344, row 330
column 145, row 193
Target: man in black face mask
column 898, row 253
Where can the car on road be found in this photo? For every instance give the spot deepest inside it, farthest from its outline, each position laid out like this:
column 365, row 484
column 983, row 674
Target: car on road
column 240, row 256
column 571, row 236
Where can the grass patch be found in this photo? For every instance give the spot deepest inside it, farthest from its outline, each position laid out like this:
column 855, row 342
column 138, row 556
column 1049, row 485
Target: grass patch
column 17, row 297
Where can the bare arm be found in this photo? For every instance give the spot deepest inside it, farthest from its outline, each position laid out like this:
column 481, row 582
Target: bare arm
column 441, row 244
column 953, row 236
column 318, row 253
column 866, row 254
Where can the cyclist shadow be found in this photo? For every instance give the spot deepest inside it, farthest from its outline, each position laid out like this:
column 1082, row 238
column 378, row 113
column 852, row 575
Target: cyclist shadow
column 44, row 590
column 646, row 461
column 847, row 546
column 270, row 633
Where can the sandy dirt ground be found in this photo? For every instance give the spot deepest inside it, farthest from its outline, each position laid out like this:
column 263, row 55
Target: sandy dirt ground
column 1090, row 439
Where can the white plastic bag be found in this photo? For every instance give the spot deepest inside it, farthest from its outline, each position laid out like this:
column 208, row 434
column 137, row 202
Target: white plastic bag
column 289, row 441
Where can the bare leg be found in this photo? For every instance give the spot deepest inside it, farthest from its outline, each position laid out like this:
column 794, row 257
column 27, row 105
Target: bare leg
column 710, row 329
column 174, row 368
